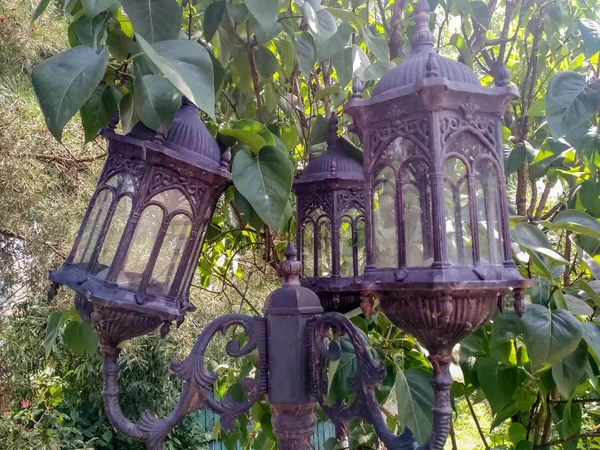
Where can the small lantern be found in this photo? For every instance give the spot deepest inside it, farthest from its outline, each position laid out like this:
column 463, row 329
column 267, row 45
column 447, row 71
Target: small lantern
column 330, row 230
column 135, row 254
column 438, row 247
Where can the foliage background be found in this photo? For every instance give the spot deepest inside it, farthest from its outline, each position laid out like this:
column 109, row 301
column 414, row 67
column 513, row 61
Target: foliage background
column 521, row 385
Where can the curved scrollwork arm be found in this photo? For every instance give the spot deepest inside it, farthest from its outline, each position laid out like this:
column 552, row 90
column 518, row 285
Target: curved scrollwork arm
column 368, row 375
column 197, row 393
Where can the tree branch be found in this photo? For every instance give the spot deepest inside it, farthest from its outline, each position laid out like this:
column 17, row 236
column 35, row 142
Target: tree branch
column 477, row 423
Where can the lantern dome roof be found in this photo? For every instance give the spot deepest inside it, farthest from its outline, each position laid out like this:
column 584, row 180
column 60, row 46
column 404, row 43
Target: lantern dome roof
column 334, row 162
column 187, row 132
column 424, row 61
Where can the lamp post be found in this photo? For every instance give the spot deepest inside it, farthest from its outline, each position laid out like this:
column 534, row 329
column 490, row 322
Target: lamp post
column 438, row 253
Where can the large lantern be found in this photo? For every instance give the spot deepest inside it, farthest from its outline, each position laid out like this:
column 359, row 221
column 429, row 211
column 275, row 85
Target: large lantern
column 134, row 257
column 330, row 230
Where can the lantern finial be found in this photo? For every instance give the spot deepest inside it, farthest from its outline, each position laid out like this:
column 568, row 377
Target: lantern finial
column 333, row 128
column 423, row 38
column 291, row 268
column 501, row 75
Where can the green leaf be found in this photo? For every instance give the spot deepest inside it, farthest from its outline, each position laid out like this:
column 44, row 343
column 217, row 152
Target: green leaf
column 64, row 82
column 568, row 373
column 570, row 102
column 287, row 55
column 335, row 43
column 517, row 157
column 517, row 432
column 499, row 382
column 538, row 109
column 156, row 101
column 463, row 47
column 376, row 44
column 347, row 16
column 571, row 423
column 52, row 328
column 591, row 335
column 39, row 9
column 99, row 108
column 532, row 238
column 266, row 63
column 80, row 337
column 265, row 181
column 94, row 7
column 590, row 32
column 577, row 307
column 577, row 221
column 154, row 20
column 306, row 52
column 321, row 22
column 319, row 130
column 212, row 18
column 264, row 11
column 127, row 113
column 481, row 13
column 550, row 336
column 119, row 44
column 250, row 132
column 342, row 62
column 414, row 410
column 188, row 66
column 376, row 70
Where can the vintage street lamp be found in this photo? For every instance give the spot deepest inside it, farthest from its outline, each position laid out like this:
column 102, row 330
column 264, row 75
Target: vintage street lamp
column 134, row 257
column 330, row 225
column 438, row 253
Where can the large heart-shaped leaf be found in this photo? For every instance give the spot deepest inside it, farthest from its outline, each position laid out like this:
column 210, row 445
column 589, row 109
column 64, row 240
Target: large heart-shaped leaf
column 531, row 237
column 264, row 11
column 414, row 408
column 591, row 334
column 64, row 82
column 250, row 132
column 590, row 32
column 342, row 61
column 265, row 181
column 376, row 44
column 499, row 382
column 80, row 337
column 306, row 52
column 568, row 373
column 550, row 336
column 94, row 7
column 154, row 20
column 577, row 221
column 156, row 100
column 570, row 101
column 188, row 66
column 97, row 111
column 335, row 43
column 212, row 18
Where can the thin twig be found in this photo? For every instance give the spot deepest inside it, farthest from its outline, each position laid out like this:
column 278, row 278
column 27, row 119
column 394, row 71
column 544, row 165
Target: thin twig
column 477, row 423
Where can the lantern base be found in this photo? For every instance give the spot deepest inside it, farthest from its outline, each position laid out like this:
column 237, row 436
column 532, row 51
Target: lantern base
column 335, row 294
column 440, row 318
column 110, row 295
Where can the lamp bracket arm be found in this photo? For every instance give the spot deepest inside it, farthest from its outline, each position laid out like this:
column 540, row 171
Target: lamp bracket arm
column 368, row 375
column 197, row 392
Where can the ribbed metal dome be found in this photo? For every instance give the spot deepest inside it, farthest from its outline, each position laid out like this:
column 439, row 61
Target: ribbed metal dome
column 333, row 160
column 188, row 132
column 424, row 62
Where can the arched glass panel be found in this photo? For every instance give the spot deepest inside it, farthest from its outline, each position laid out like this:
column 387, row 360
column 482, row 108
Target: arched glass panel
column 308, row 249
column 141, row 247
column 324, row 248
column 360, row 243
column 384, row 218
column 113, row 236
column 92, row 229
column 459, row 241
column 170, row 255
column 351, row 226
column 487, row 192
column 173, row 200
column 416, row 214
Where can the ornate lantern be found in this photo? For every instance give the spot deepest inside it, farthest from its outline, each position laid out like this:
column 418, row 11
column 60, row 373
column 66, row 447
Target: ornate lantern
column 134, row 257
column 330, row 230
column 438, row 247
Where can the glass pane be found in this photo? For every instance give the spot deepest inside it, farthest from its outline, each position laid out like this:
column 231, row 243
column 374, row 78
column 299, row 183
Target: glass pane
column 308, row 250
column 113, row 236
column 141, row 247
column 346, row 248
column 488, row 212
column 173, row 200
column 170, row 255
column 92, row 229
column 324, row 248
column 360, row 243
column 416, row 214
column 384, row 218
column 458, row 220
